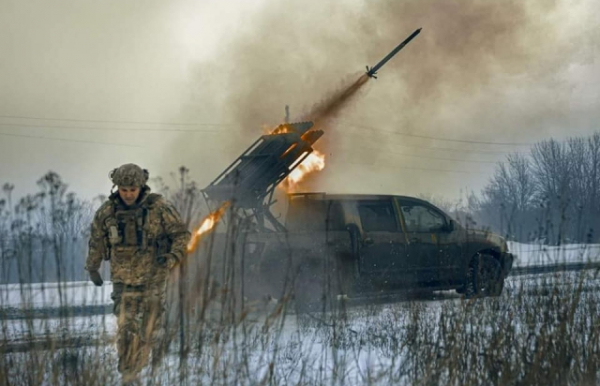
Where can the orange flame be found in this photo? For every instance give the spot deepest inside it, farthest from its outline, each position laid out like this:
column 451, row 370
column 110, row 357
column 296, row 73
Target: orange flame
column 282, row 129
column 206, row 226
column 313, row 163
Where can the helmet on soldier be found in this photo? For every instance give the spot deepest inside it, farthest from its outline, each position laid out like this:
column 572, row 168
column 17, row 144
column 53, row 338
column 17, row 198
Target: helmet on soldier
column 129, row 175
column 130, row 179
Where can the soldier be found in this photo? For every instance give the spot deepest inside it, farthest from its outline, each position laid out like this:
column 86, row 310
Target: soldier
column 144, row 238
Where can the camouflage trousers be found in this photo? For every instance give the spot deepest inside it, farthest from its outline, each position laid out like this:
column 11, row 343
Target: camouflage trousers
column 140, row 312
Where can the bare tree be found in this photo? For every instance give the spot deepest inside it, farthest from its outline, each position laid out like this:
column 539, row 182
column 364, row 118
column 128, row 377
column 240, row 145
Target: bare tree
column 510, row 195
column 553, row 193
column 591, row 198
column 184, row 194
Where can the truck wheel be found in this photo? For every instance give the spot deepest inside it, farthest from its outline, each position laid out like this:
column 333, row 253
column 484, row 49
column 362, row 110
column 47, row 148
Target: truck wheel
column 484, row 277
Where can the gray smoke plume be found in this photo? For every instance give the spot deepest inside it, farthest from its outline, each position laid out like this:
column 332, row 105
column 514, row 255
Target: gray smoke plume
column 116, row 74
column 480, row 70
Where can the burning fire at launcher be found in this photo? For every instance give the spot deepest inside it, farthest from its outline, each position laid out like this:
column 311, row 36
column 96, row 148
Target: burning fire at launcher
column 207, row 225
column 250, row 181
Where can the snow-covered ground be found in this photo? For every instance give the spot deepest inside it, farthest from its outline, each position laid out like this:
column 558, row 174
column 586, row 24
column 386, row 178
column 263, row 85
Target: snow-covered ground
column 537, row 254
column 43, row 295
column 371, row 344
column 92, row 327
column 302, row 348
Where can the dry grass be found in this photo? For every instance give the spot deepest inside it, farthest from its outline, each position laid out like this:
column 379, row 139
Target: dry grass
column 542, row 333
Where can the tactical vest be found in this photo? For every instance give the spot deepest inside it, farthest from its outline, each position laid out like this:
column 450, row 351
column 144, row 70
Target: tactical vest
column 129, row 228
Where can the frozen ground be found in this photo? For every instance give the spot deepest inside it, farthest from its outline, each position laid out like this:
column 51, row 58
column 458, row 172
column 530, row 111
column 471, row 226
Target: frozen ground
column 41, row 295
column 302, row 346
column 369, row 344
column 538, row 254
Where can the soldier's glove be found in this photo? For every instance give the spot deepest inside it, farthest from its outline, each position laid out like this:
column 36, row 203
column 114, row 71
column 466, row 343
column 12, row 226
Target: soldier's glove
column 166, row 261
column 96, row 278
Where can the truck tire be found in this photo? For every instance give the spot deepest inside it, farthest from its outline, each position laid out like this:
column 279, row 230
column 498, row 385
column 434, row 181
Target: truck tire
column 484, row 277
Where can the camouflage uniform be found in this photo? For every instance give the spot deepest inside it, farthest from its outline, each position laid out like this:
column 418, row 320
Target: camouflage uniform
column 133, row 238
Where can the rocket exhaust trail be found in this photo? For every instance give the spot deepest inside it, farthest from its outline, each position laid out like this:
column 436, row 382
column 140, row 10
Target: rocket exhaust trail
column 333, row 105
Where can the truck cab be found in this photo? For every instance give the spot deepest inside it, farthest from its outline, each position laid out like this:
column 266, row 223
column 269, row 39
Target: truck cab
column 386, row 242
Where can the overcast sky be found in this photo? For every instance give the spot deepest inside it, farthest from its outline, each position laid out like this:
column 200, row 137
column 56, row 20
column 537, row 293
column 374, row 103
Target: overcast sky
column 86, row 86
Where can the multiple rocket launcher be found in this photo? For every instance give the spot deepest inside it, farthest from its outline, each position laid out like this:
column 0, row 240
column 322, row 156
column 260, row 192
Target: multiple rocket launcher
column 255, row 174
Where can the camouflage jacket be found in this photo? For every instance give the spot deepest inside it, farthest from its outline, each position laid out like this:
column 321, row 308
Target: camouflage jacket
column 132, row 237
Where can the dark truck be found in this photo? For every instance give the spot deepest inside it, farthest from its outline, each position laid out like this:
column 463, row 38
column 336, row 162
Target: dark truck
column 358, row 245
column 332, row 246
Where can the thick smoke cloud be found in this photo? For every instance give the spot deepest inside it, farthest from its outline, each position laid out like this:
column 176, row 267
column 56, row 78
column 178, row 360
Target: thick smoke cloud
column 480, row 70
column 296, row 54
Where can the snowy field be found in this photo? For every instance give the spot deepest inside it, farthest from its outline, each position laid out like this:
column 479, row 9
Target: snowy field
column 41, row 295
column 538, row 254
column 435, row 339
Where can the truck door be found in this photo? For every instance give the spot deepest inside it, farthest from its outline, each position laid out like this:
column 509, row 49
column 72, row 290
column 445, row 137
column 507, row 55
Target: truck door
column 384, row 245
column 425, row 226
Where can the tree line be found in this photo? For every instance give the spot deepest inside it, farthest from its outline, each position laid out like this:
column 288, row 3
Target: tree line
column 550, row 194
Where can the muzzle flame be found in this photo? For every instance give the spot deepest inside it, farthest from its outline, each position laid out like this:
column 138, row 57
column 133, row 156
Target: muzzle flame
column 313, row 163
column 206, row 226
column 282, row 129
